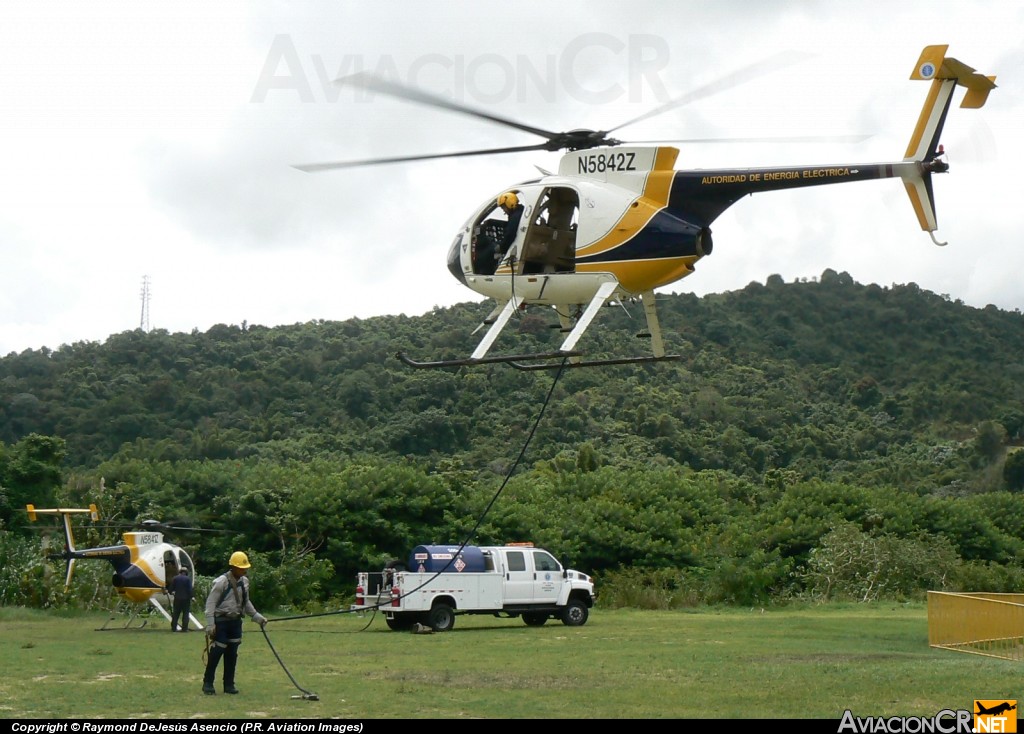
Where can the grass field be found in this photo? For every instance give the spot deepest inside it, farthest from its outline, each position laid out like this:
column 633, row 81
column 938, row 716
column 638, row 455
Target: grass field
column 796, row 662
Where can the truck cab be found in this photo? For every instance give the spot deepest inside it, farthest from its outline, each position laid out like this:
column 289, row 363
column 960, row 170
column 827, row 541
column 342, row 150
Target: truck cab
column 532, row 575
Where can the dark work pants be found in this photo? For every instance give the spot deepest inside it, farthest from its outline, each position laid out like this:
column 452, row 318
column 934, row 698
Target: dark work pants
column 180, row 609
column 227, row 637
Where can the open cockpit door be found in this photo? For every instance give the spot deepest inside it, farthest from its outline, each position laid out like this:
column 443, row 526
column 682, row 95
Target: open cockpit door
column 550, row 243
column 492, row 242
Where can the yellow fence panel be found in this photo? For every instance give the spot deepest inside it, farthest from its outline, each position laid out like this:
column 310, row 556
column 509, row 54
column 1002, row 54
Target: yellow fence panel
column 978, row 623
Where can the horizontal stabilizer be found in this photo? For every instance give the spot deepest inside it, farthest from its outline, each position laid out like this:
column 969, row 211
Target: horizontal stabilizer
column 33, row 511
column 933, row 64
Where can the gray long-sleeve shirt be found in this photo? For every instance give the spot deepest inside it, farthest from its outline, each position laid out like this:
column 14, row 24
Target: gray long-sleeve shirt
column 222, row 601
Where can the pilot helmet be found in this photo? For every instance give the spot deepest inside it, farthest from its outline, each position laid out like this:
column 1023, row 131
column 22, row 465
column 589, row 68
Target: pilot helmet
column 509, row 200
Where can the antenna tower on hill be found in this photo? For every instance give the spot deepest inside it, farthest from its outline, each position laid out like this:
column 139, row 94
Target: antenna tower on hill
column 144, row 318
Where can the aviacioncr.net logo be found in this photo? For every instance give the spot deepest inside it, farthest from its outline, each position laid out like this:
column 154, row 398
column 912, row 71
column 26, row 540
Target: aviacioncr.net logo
column 995, row 715
column 946, row 721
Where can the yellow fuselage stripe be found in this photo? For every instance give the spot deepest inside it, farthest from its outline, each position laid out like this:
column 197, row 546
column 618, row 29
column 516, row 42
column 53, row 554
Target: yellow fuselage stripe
column 651, row 201
column 639, row 275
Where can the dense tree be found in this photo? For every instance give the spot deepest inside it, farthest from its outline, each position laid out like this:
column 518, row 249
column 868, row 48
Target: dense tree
column 30, row 473
column 1013, row 471
column 795, row 410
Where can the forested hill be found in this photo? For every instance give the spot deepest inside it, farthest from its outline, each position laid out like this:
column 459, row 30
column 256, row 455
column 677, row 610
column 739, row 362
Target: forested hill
column 828, row 379
column 808, row 429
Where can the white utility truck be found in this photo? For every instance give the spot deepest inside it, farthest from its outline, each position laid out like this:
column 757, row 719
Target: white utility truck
column 441, row 581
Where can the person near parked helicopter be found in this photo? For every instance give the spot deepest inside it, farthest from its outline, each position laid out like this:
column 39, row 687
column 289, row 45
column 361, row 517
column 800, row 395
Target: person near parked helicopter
column 181, row 589
column 226, row 604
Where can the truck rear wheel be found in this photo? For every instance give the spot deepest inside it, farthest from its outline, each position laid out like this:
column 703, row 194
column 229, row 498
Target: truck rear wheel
column 535, row 619
column 575, row 613
column 401, row 621
column 442, row 618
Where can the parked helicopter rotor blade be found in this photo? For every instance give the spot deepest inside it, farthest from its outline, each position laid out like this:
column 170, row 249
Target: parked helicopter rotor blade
column 157, row 525
column 314, row 167
column 375, row 83
column 734, row 79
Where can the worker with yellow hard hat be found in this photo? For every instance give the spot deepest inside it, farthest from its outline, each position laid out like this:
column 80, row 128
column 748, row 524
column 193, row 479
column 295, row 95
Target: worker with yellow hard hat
column 509, row 203
column 226, row 604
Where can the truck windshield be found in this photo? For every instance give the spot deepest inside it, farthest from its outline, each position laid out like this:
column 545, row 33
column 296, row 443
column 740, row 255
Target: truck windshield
column 544, row 562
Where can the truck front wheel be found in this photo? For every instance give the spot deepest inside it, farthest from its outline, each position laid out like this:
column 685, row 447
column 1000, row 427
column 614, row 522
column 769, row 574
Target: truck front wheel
column 442, row 618
column 575, row 613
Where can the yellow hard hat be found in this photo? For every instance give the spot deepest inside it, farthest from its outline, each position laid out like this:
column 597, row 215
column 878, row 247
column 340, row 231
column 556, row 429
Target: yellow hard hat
column 239, row 560
column 509, row 200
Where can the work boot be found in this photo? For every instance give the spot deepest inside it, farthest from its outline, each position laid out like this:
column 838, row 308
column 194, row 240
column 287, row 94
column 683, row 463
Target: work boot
column 208, row 689
column 230, row 688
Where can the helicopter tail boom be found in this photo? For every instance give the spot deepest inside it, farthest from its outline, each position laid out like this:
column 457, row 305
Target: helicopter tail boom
column 706, row 193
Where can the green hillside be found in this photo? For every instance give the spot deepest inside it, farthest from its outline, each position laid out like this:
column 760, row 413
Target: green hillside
column 799, row 414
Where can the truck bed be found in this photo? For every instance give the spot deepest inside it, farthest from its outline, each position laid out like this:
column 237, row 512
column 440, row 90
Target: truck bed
column 418, row 590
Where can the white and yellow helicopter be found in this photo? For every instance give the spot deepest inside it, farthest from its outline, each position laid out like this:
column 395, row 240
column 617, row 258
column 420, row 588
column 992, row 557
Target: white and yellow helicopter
column 144, row 563
column 618, row 221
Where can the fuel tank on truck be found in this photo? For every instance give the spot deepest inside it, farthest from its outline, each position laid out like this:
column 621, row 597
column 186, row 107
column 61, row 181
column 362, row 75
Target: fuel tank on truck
column 447, row 559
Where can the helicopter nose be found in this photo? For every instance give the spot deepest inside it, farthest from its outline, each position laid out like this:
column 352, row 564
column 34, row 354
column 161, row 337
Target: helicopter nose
column 455, row 259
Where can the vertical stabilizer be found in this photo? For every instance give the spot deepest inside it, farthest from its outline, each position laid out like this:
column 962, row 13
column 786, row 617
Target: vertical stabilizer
column 924, row 149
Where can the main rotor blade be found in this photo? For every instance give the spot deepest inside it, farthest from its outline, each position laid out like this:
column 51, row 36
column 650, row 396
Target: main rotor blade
column 375, row 83
column 314, row 167
column 764, row 139
column 157, row 525
column 740, row 76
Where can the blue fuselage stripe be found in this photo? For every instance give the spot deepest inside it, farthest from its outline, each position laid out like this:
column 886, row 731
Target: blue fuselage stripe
column 665, row 235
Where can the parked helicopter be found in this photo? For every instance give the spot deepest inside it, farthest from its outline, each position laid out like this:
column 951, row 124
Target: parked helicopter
column 618, row 221
column 143, row 565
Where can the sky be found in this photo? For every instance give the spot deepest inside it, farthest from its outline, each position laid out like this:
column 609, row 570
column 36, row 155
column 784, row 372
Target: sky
column 156, row 142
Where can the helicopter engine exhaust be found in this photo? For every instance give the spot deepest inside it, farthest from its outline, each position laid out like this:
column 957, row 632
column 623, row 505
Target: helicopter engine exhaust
column 704, row 242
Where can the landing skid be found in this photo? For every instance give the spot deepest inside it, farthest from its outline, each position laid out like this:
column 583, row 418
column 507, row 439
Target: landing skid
column 517, row 361
column 133, row 615
column 160, row 608
column 471, row 361
column 567, row 355
column 594, row 362
column 133, row 611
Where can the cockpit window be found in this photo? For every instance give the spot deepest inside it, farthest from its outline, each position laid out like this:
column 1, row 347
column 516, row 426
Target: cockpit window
column 488, row 235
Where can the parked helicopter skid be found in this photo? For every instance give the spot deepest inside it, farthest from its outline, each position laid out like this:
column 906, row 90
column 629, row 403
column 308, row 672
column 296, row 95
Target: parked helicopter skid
column 143, row 565
column 618, row 221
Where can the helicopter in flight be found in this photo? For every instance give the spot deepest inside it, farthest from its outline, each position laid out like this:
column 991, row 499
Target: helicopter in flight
column 144, row 563
column 617, row 220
